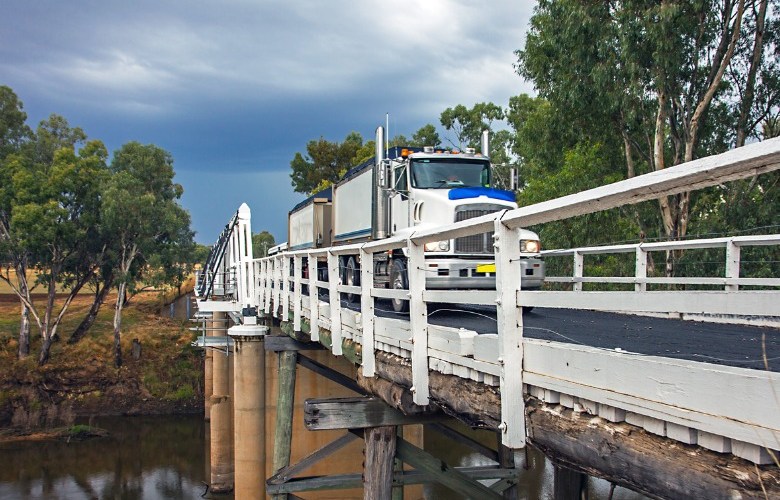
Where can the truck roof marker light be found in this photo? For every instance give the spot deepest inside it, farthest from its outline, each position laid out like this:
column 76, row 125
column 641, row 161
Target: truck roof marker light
column 405, row 152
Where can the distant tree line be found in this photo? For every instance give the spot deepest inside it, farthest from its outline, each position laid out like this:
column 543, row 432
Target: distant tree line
column 70, row 220
column 626, row 88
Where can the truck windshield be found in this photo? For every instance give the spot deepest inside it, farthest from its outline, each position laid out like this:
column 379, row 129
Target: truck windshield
column 447, row 173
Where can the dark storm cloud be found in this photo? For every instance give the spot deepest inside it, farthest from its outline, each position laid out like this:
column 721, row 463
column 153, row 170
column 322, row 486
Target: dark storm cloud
column 237, row 87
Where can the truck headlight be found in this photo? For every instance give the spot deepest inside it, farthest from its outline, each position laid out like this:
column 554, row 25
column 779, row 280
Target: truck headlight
column 530, row 246
column 438, row 246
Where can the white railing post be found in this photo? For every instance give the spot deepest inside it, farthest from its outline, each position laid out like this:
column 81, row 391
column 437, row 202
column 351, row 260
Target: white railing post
column 732, row 264
column 334, row 279
column 278, row 271
column 267, row 280
column 579, row 265
column 285, row 288
column 509, row 316
column 314, row 300
column 418, row 322
column 368, row 360
column 245, row 271
column 297, row 271
column 641, row 269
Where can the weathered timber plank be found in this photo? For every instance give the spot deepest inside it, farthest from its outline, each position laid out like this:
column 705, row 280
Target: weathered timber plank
column 356, row 413
column 395, row 395
column 378, row 468
column 330, row 374
column 284, row 410
column 285, row 474
column 476, row 404
column 344, row 481
column 443, row 473
column 277, row 343
column 644, row 462
column 569, row 484
column 456, row 436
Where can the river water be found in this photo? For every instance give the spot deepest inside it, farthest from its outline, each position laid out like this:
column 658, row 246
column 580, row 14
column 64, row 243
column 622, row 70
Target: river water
column 168, row 457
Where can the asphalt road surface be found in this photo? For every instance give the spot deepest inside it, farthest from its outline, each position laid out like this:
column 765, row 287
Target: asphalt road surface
column 734, row 345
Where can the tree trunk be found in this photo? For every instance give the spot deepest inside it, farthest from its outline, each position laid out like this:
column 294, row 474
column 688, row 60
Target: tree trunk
column 24, row 320
column 46, row 334
column 118, row 325
column 755, row 62
column 89, row 319
column 43, row 358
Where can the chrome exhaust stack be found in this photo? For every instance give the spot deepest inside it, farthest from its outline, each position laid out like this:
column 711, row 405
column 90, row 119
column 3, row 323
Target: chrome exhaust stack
column 380, row 204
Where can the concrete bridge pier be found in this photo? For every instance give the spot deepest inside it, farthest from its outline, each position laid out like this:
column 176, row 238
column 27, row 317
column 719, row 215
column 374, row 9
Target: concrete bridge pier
column 208, row 377
column 221, row 428
column 249, row 409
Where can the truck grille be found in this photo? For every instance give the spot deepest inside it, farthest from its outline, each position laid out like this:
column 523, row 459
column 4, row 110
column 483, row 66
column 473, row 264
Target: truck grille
column 478, row 243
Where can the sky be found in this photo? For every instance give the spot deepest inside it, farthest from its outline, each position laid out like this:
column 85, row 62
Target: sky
column 234, row 88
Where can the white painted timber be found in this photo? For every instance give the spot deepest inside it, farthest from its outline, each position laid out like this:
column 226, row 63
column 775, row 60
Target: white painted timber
column 714, row 442
column 681, row 433
column 368, row 360
column 510, row 334
column 218, row 306
column 486, row 347
column 297, row 274
column 334, row 279
column 314, row 301
column 686, row 393
column 418, row 318
column 285, row 288
column 746, row 303
column 756, row 454
column 456, row 341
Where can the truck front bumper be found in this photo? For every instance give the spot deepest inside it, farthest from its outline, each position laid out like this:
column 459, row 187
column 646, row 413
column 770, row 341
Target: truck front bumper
column 459, row 274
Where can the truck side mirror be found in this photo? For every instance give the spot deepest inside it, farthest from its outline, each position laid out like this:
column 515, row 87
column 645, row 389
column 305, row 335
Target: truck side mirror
column 383, row 174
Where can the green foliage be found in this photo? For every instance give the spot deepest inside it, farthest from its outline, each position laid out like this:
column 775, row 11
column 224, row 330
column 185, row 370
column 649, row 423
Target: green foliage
column 79, row 430
column 13, row 128
column 324, row 163
column 468, row 124
column 656, row 83
column 425, row 136
column 261, row 242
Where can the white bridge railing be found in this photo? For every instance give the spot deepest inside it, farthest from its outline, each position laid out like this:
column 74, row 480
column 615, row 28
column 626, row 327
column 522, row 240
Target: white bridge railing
column 681, row 399
column 751, row 307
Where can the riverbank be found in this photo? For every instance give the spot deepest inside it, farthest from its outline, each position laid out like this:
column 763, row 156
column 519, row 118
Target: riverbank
column 164, row 376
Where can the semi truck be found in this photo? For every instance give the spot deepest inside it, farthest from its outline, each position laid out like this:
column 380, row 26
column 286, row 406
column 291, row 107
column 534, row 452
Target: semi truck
column 402, row 190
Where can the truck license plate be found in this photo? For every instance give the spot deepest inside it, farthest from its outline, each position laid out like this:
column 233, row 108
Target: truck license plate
column 486, row 268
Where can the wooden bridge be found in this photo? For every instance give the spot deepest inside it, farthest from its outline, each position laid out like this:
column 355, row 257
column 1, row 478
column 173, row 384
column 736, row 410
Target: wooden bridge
column 634, row 419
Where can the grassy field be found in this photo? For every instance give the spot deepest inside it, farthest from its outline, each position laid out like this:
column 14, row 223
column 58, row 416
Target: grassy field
column 82, row 380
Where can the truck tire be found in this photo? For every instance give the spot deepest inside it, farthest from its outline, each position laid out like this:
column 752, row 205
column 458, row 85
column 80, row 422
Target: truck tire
column 352, row 278
column 399, row 280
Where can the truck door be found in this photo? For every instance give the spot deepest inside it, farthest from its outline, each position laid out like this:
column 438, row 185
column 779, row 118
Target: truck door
column 399, row 208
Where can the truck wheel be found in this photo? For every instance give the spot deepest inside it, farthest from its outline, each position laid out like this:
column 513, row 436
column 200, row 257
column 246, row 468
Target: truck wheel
column 399, row 280
column 352, row 278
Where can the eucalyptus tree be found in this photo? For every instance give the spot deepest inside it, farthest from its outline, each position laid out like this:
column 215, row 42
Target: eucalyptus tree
column 14, row 135
column 55, row 211
column 468, row 124
column 675, row 80
column 324, row 163
column 261, row 243
column 149, row 228
column 425, row 136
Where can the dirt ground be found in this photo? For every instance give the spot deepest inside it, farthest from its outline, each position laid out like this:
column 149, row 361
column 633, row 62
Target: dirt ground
column 81, row 379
